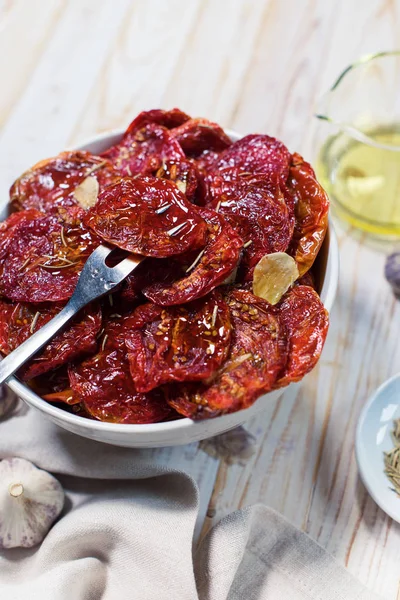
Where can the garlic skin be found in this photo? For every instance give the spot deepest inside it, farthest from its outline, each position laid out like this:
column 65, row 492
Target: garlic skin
column 30, row 501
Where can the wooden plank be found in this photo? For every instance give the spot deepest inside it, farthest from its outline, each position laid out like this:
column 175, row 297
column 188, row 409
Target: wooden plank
column 42, row 119
column 139, row 64
column 17, row 64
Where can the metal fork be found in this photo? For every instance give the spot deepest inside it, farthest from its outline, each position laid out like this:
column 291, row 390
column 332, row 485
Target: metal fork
column 96, row 280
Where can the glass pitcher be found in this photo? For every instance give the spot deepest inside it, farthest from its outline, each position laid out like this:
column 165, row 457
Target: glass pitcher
column 358, row 140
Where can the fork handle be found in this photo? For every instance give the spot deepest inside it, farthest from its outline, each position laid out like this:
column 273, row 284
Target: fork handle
column 11, row 364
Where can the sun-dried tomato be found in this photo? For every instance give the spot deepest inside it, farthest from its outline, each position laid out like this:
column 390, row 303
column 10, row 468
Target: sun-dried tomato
column 184, row 175
column 198, row 135
column 307, row 279
column 148, row 148
column 311, row 211
column 257, row 154
column 50, row 183
column 256, row 357
column 6, row 309
column 148, row 216
column 182, row 343
column 143, row 151
column 54, row 386
column 44, row 258
column 105, row 388
column 306, row 321
column 210, row 268
column 10, row 225
column 166, row 118
column 255, row 205
column 25, row 319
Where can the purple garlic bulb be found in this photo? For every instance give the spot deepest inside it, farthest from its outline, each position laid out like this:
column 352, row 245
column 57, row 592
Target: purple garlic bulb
column 392, row 272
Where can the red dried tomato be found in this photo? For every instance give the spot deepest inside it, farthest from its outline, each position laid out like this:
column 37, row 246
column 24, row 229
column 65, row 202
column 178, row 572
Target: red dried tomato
column 143, row 151
column 148, row 148
column 184, row 175
column 257, row 154
column 256, row 207
column 218, row 259
column 54, row 387
column 10, row 225
column 178, row 344
column 205, row 164
column 306, row 321
column 307, row 279
column 104, row 386
column 23, row 320
column 44, row 258
column 166, row 118
column 311, row 211
column 198, row 135
column 50, row 183
column 148, row 216
column 257, row 355
column 6, row 310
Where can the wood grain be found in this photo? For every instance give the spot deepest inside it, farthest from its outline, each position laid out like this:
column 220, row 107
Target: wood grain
column 78, row 67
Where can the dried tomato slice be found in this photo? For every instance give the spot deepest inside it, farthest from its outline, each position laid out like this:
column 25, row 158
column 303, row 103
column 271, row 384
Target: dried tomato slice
column 311, row 212
column 178, row 344
column 256, row 207
column 44, row 258
column 148, row 216
column 257, row 355
column 306, row 321
column 307, row 279
column 210, row 267
column 24, row 319
column 148, row 148
column 257, row 154
column 184, row 175
column 197, row 135
column 166, row 118
column 104, row 387
column 54, row 386
column 6, row 310
column 51, row 182
column 10, row 225
column 144, row 150
column 66, row 396
column 205, row 162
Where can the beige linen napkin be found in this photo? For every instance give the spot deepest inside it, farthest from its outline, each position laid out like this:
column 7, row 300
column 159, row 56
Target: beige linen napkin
column 126, row 532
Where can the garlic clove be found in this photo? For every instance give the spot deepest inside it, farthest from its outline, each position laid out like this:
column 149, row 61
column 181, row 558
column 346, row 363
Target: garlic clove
column 273, row 275
column 30, row 501
column 7, row 400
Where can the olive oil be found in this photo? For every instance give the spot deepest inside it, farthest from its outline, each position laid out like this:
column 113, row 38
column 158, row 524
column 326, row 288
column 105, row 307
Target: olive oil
column 363, row 180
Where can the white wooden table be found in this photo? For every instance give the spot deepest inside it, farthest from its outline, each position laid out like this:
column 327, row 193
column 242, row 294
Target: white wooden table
column 69, row 69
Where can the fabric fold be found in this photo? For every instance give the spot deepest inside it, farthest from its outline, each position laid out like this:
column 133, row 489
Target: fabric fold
column 126, row 531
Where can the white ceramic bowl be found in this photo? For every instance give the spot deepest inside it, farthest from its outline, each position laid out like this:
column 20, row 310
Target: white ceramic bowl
column 373, row 439
column 182, row 431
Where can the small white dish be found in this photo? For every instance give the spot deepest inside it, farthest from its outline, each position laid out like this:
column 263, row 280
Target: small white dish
column 181, row 431
column 373, row 438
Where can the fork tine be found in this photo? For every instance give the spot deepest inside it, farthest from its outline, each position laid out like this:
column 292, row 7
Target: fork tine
column 127, row 265
column 100, row 252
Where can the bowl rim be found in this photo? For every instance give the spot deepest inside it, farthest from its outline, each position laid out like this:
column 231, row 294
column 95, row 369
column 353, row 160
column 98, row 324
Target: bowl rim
column 185, row 423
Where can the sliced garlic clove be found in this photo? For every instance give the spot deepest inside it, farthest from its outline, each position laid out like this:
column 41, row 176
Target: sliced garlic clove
column 86, row 192
column 273, row 276
column 30, row 501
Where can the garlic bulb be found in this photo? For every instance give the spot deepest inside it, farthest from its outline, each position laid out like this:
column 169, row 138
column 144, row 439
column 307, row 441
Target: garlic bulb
column 7, row 400
column 30, row 501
